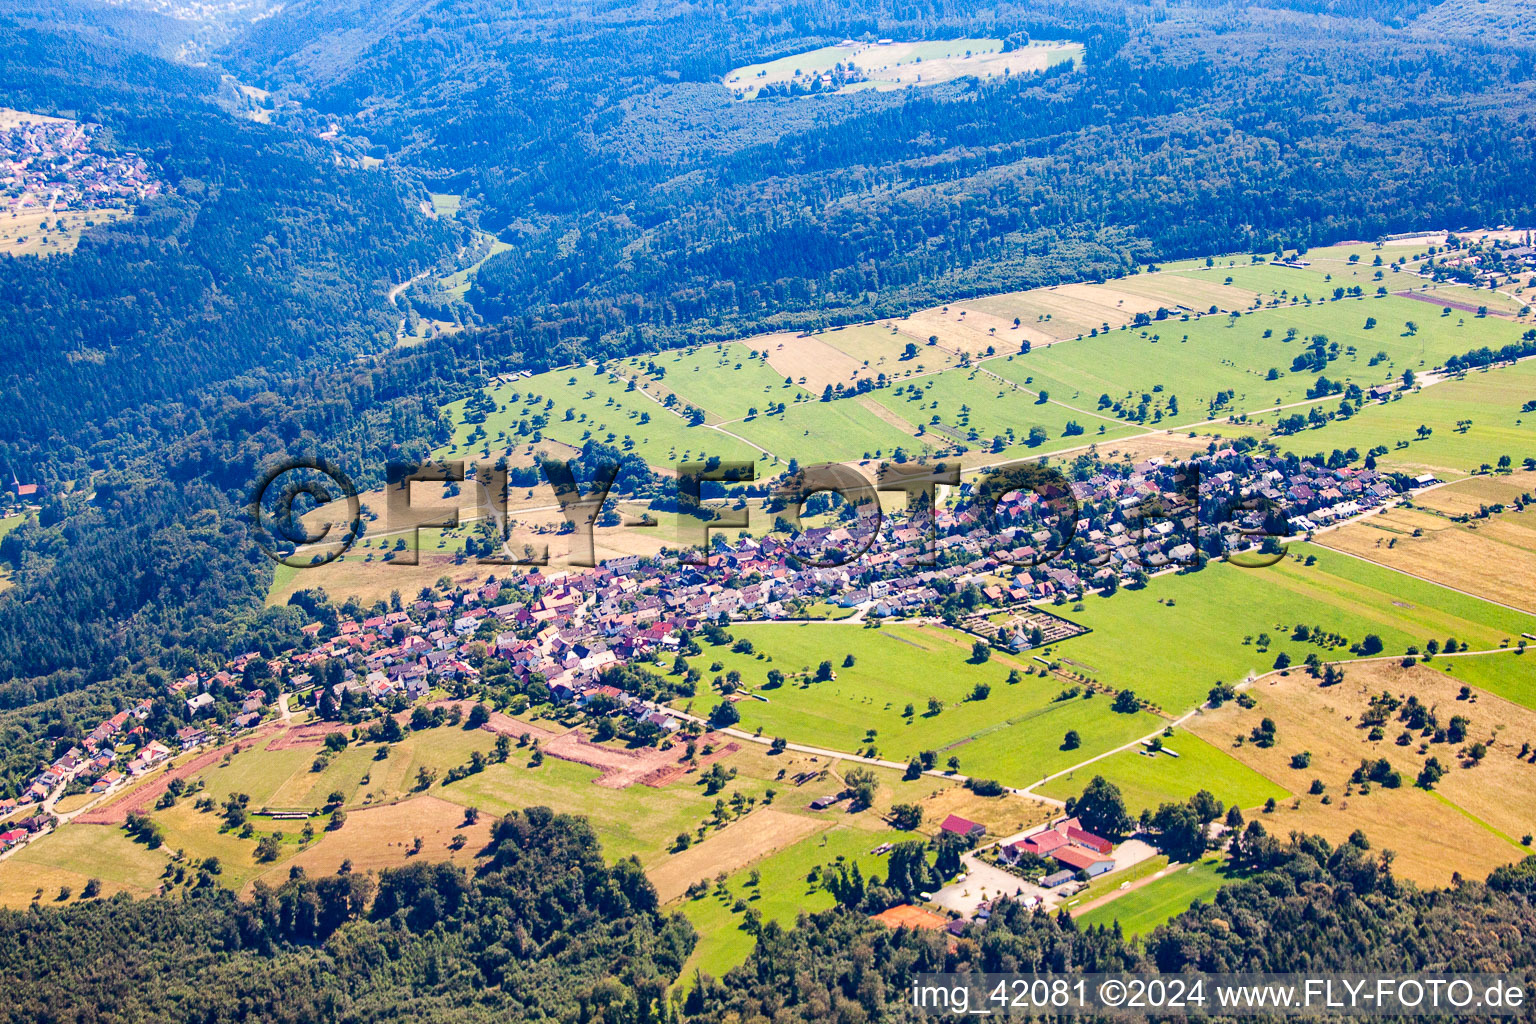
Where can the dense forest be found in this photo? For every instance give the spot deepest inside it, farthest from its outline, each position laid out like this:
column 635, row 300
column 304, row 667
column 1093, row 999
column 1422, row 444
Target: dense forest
column 543, row 930
column 646, row 207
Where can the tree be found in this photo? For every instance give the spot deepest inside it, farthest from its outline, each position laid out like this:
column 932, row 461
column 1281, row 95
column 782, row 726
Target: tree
column 914, row 770
column 906, row 817
column 1071, row 741
column 981, row 652
column 478, row 716
column 1431, row 773
column 267, row 849
column 861, row 785
column 724, row 715
column 1126, row 702
column 1101, row 809
column 1180, row 833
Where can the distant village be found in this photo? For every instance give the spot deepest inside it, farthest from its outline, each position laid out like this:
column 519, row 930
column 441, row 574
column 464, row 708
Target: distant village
column 51, row 165
column 602, row 639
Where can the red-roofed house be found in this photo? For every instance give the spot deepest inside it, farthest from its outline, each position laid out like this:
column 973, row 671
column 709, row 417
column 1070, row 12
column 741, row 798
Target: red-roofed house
column 963, row 827
column 1087, row 840
column 1079, row 859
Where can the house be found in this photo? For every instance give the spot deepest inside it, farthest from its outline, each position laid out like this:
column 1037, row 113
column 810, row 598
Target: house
column 198, row 703
column 191, row 736
column 963, row 827
column 1078, row 859
column 1058, row 879
column 1040, row 844
column 821, row 803
column 1087, row 840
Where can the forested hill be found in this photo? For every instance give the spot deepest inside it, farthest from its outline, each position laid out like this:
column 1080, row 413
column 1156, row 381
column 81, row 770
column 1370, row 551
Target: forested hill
column 543, row 930
column 268, row 257
column 647, row 206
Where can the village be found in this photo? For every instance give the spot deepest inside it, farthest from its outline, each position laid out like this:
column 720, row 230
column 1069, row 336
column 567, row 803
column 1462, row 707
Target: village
column 565, row 637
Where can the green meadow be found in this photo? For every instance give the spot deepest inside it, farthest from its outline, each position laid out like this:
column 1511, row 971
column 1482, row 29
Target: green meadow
column 974, row 407
column 1014, row 733
column 1141, row 910
column 840, row 431
column 782, row 893
column 1473, row 420
column 1194, row 359
column 1172, row 640
column 590, row 404
column 724, row 380
column 1187, row 765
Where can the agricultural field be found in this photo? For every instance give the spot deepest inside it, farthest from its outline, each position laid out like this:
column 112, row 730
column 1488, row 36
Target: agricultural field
column 1248, row 360
column 1185, row 765
column 72, row 856
column 1493, row 557
column 45, row 233
column 1144, row 639
column 1015, row 733
column 893, row 65
column 1474, row 419
column 1471, row 821
column 977, row 409
column 1169, row 893
column 582, row 403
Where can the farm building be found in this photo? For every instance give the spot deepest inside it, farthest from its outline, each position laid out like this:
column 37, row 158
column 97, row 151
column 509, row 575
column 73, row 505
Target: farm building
column 963, row 827
column 1079, row 859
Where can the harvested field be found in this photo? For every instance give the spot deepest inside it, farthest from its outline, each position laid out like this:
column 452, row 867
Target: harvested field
column 1493, row 557
column 763, row 832
column 383, row 837
column 812, row 362
column 1472, row 819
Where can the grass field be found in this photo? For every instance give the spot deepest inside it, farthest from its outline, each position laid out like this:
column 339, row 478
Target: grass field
column 975, row 408
column 1196, row 358
column 1014, row 734
column 897, row 64
column 1143, row 909
column 1150, row 780
column 1510, row 676
column 724, row 380
column 74, row 855
column 1490, row 399
column 587, row 404
column 1172, row 653
column 42, row 233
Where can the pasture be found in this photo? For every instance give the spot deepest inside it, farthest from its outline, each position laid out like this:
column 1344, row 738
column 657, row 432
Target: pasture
column 1474, row 419
column 1174, row 639
column 1186, row 765
column 1014, row 733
